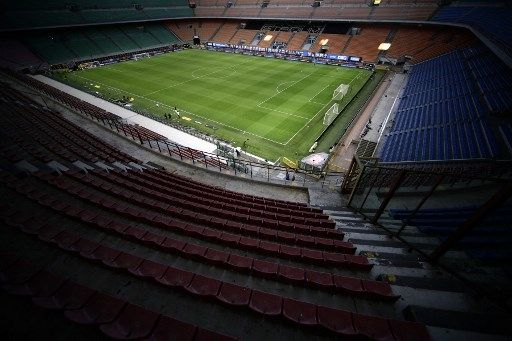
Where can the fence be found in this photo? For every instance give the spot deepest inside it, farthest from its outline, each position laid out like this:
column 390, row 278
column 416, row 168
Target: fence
column 230, row 165
column 438, row 214
column 227, row 164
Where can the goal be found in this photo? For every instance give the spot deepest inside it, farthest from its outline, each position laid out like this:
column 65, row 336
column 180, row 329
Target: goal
column 340, row 91
column 140, row 56
column 331, row 114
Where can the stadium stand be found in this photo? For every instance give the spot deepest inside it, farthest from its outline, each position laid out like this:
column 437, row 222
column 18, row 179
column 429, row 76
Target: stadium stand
column 403, row 12
column 60, row 46
column 487, row 241
column 204, row 29
column 28, row 14
column 297, row 40
column 420, row 43
column 493, row 78
column 335, row 42
column 244, row 36
column 410, row 10
column 115, row 317
column 172, row 215
column 489, row 17
column 226, row 32
column 366, row 43
column 427, row 42
column 444, row 111
column 129, row 250
column 15, row 55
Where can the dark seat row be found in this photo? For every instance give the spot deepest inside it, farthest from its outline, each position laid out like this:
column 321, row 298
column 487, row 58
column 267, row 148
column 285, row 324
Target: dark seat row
column 142, row 132
column 166, row 178
column 126, row 212
column 42, row 124
column 114, row 183
column 233, row 261
column 115, row 317
column 205, row 190
column 234, row 240
column 220, row 219
column 302, row 313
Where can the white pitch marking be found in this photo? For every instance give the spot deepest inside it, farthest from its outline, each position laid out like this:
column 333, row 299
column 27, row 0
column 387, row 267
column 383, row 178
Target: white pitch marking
column 195, row 78
column 188, row 112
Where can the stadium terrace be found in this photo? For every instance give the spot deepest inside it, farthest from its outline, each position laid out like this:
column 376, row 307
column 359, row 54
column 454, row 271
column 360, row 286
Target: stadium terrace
column 256, row 170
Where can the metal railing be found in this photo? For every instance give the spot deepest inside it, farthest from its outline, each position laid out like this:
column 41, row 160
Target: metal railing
column 436, row 213
column 231, row 165
column 226, row 164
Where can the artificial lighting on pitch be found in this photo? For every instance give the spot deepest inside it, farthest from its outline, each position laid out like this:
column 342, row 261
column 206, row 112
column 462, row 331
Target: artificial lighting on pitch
column 324, row 42
column 268, row 37
column 384, row 46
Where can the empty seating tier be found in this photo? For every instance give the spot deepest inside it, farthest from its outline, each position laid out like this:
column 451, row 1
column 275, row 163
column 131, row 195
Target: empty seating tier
column 182, row 241
column 62, row 13
column 60, row 46
column 444, row 113
column 487, row 17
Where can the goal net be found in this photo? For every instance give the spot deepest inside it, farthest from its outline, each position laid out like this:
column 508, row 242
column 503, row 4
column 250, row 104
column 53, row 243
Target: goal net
column 140, row 56
column 331, row 114
column 340, row 92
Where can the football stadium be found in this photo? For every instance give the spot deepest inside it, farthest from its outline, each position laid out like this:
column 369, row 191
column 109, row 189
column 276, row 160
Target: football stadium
column 256, row 170
column 280, row 107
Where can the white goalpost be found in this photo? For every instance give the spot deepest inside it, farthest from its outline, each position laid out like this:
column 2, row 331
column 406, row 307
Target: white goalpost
column 331, row 114
column 340, row 92
column 337, row 96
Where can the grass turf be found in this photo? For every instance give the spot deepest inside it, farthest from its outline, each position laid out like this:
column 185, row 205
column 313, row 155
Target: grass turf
column 278, row 105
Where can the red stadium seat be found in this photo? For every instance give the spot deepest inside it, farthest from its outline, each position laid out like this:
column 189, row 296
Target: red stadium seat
column 149, row 269
column 379, row 289
column 204, row 286
column 265, row 303
column 103, row 253
column 65, row 240
column 240, row 262
column 194, row 251
column 173, row 245
column 69, row 296
column 290, row 251
column 176, row 277
column 291, row 274
column 234, row 294
column 100, row 309
column 153, row 239
column 264, row 268
column 133, row 322
column 216, row 256
column 350, row 285
column 376, row 328
column 124, row 261
column 299, row 312
column 319, row 279
column 338, row 321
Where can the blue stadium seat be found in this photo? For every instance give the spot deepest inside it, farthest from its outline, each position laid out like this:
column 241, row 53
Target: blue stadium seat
column 451, row 98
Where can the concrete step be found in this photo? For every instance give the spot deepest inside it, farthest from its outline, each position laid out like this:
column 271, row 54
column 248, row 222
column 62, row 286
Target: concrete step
column 494, row 324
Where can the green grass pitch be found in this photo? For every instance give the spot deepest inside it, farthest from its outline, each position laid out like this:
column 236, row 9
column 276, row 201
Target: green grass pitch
column 277, row 105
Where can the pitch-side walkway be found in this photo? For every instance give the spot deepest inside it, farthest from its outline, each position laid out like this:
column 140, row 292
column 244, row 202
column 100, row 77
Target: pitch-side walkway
column 342, row 156
column 381, row 115
column 172, row 134
column 375, row 118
